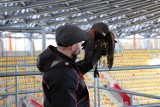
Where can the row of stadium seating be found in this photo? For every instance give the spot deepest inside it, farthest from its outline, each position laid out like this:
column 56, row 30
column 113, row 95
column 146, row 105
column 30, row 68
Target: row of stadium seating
column 128, row 58
column 133, row 56
column 12, row 83
column 10, row 102
column 14, row 63
column 143, row 81
column 21, row 58
column 140, row 51
column 19, row 69
column 26, row 87
column 13, row 78
column 24, row 82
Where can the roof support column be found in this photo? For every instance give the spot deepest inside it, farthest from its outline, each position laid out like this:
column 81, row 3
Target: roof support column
column 43, row 39
column 153, row 44
column 134, row 41
column 158, row 43
column 10, row 42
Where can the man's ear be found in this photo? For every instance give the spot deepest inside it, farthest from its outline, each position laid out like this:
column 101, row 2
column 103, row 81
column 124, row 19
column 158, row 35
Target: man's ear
column 72, row 48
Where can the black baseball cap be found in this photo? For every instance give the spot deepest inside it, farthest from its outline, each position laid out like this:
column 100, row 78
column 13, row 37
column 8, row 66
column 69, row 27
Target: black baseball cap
column 68, row 35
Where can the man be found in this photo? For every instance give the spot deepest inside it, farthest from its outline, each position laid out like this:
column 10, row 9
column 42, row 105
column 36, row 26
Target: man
column 63, row 83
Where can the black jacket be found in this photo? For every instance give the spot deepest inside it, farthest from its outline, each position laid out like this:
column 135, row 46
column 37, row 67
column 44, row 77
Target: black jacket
column 63, row 84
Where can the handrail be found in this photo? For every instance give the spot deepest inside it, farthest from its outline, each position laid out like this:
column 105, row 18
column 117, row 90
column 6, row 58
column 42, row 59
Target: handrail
column 145, row 105
column 130, row 68
column 101, row 69
column 26, row 92
column 130, row 92
column 7, row 74
column 14, row 65
column 36, row 104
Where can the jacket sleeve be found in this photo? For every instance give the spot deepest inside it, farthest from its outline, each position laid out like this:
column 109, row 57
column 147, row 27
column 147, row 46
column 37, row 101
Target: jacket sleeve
column 84, row 66
column 63, row 92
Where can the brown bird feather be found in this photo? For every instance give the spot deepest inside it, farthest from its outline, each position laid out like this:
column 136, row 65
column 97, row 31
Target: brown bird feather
column 100, row 43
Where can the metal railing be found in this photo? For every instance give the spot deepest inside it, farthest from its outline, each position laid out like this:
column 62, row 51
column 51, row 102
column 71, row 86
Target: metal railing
column 96, row 84
column 131, row 94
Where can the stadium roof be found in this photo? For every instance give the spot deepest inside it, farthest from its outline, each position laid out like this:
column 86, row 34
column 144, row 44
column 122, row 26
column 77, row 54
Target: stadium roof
column 124, row 17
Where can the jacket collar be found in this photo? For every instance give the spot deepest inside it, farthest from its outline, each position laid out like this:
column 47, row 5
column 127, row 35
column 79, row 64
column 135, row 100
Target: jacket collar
column 65, row 57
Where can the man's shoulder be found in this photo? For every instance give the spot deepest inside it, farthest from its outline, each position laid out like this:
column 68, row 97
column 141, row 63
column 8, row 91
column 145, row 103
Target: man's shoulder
column 63, row 70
